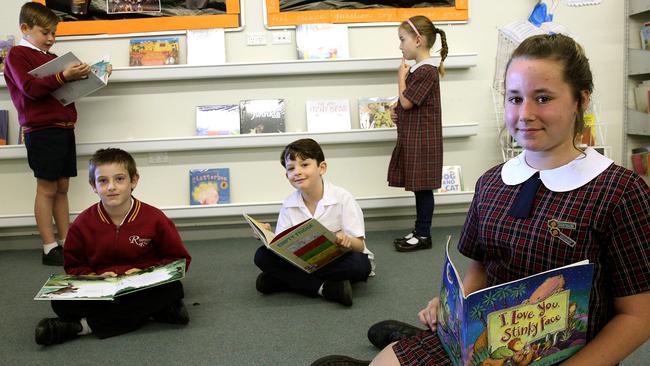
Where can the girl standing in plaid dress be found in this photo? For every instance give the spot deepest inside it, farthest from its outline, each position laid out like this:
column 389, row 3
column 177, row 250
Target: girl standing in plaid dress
column 507, row 233
column 416, row 162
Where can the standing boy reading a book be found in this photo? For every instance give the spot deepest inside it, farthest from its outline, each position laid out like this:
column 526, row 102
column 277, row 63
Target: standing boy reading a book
column 48, row 125
column 512, row 230
column 333, row 207
column 120, row 235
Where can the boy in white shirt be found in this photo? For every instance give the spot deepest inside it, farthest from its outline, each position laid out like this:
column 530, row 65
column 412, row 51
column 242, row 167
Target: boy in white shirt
column 332, row 206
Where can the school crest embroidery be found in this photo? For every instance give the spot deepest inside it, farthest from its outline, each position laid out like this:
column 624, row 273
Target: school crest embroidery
column 141, row 242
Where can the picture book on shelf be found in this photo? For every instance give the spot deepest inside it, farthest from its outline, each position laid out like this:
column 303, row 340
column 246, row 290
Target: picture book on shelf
column 308, row 245
column 206, row 46
column 639, row 160
column 451, row 179
column 94, row 287
column 541, row 318
column 154, row 51
column 5, row 44
column 262, row 116
column 328, row 115
column 374, row 112
column 70, row 91
column 209, row 186
column 4, row 126
column 219, row 119
column 641, row 92
column 322, row 41
column 645, row 36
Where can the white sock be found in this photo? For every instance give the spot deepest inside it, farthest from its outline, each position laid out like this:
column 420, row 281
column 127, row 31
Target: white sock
column 48, row 247
column 320, row 289
column 85, row 328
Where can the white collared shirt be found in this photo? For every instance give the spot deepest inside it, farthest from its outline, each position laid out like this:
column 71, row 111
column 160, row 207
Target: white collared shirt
column 426, row 61
column 26, row 43
column 337, row 211
column 568, row 177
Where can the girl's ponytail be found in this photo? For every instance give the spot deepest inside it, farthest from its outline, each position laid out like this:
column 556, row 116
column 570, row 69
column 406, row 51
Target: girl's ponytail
column 443, row 51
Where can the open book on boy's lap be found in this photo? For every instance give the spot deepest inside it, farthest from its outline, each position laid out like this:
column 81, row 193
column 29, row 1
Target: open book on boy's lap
column 537, row 320
column 70, row 91
column 308, row 245
column 93, row 287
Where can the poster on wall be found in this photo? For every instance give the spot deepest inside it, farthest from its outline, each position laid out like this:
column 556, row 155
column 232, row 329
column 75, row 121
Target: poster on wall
column 88, row 17
column 294, row 12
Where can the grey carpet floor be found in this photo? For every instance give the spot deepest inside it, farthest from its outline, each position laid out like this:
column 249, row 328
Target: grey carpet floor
column 231, row 323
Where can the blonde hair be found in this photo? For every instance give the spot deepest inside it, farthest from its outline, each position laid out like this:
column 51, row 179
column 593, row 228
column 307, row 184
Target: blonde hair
column 420, row 25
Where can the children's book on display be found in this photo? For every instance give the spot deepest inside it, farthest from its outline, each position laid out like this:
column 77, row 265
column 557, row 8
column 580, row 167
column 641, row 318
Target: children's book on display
column 5, row 44
column 70, row 91
column 262, row 116
column 154, row 51
column 374, row 112
column 539, row 320
column 220, row 119
column 328, row 115
column 206, row 47
column 322, row 41
column 94, row 287
column 451, row 179
column 4, row 126
column 307, row 245
column 209, row 186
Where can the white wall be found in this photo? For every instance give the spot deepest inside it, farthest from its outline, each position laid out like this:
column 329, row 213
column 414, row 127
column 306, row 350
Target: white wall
column 166, row 109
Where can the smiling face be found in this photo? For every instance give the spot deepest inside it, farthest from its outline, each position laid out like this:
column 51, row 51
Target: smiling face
column 114, row 186
column 41, row 37
column 540, row 107
column 305, row 174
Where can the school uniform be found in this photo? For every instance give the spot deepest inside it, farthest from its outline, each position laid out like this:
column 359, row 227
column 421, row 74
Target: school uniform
column 609, row 206
column 337, row 211
column 95, row 244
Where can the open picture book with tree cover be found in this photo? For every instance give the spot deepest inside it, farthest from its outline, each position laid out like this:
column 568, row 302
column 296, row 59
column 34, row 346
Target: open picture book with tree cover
column 536, row 321
column 308, row 245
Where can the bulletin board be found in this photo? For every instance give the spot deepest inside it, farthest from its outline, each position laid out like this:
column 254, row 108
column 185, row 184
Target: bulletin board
column 459, row 11
column 132, row 24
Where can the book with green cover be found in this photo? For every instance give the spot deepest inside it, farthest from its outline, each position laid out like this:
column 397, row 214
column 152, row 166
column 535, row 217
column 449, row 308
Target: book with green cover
column 94, row 287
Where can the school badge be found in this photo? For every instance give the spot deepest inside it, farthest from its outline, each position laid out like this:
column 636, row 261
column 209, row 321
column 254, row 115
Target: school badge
column 555, row 226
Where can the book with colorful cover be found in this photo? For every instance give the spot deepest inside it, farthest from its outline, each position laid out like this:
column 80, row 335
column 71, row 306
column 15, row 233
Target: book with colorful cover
column 328, row 115
column 5, row 45
column 95, row 287
column 262, row 116
column 322, row 41
column 374, row 112
column 209, row 186
column 154, row 51
column 538, row 320
column 4, row 126
column 307, row 245
column 219, row 119
column 645, row 36
column 451, row 179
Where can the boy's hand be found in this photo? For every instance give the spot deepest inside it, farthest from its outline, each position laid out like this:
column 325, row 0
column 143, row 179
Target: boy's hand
column 343, row 240
column 132, row 271
column 429, row 315
column 76, row 72
column 265, row 225
column 109, row 69
column 109, row 274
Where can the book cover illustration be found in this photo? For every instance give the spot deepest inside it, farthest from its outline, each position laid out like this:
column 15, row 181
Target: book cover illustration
column 374, row 112
column 322, row 41
column 538, row 320
column 209, row 186
column 308, row 245
column 5, row 45
column 206, row 46
column 90, row 287
column 328, row 115
column 4, row 126
column 154, row 51
column 451, row 179
column 262, row 116
column 70, row 91
column 645, row 36
column 221, row 119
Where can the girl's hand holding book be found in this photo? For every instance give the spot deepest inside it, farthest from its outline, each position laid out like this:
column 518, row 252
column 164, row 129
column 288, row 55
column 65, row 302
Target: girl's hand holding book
column 429, row 315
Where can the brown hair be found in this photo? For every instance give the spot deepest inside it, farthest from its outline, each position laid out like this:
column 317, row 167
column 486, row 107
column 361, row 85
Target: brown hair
column 304, row 149
column 576, row 71
column 34, row 14
column 426, row 29
column 110, row 156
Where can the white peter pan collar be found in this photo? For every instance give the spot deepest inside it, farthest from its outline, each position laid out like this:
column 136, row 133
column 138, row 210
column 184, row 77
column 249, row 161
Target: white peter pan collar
column 426, row 61
column 568, row 177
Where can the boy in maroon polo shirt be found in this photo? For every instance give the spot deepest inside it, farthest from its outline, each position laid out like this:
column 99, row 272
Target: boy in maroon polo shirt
column 48, row 125
column 118, row 235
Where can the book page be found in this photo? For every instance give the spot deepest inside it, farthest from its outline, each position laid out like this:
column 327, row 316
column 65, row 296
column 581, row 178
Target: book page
column 265, row 235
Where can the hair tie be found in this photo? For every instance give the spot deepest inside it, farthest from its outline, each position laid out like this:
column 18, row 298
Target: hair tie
column 413, row 27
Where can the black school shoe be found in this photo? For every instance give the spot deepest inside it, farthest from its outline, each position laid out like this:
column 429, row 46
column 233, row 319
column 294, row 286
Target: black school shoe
column 268, row 284
column 54, row 330
column 415, row 243
column 388, row 331
column 176, row 313
column 54, row 257
column 336, row 360
column 338, row 291
column 404, row 238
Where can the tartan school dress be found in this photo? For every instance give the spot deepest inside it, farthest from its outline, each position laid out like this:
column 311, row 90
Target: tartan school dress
column 610, row 206
column 416, row 161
